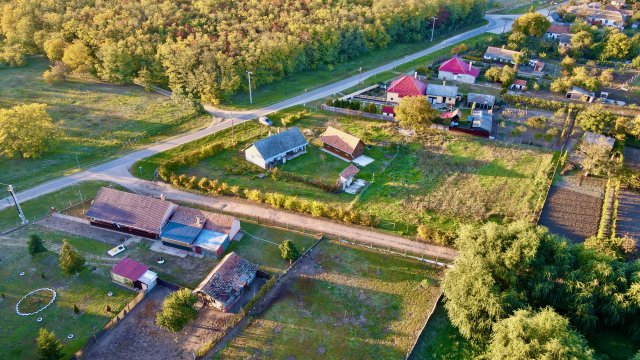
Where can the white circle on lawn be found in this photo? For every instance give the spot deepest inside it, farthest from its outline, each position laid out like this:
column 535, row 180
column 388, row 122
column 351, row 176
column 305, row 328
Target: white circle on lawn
column 109, row 293
column 53, row 298
column 70, row 336
column 22, row 273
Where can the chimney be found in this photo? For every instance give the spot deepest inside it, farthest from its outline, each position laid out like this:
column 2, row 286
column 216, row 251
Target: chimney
column 503, row 47
column 444, row 82
column 470, row 63
column 161, row 196
column 415, row 74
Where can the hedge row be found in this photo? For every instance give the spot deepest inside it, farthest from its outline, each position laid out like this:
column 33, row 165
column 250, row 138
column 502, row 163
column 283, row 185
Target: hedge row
column 274, row 199
column 520, row 101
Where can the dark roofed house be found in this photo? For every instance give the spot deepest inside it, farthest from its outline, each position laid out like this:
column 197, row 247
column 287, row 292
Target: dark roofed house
column 556, row 30
column 277, row 149
column 442, row 94
column 481, row 101
column 130, row 213
column 226, row 282
column 342, row 144
column 564, row 40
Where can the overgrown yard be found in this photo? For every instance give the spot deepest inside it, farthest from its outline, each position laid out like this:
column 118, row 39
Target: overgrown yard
column 440, row 180
column 97, row 121
column 88, row 291
column 318, row 316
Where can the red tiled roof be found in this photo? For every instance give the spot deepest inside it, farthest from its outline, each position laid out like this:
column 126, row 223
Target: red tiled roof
column 407, row 86
column 520, row 82
column 350, row 171
column 450, row 114
column 129, row 269
column 388, row 110
column 340, row 140
column 559, row 29
column 458, row 66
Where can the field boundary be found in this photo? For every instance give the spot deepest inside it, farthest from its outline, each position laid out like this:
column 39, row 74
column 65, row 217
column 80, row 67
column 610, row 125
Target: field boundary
column 370, row 246
column 36, row 219
column 356, row 113
column 424, row 326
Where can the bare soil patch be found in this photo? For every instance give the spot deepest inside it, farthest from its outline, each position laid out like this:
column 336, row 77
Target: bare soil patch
column 628, row 220
column 572, row 214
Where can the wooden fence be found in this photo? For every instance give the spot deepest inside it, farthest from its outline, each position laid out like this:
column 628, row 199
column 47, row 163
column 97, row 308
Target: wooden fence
column 356, row 113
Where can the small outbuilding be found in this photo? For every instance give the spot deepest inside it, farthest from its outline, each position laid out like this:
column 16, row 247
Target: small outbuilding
column 277, row 149
column 580, row 94
column 134, row 275
column 342, row 144
column 481, row 120
column 347, row 176
column 480, row 101
column 518, row 85
column 226, row 282
column 442, row 94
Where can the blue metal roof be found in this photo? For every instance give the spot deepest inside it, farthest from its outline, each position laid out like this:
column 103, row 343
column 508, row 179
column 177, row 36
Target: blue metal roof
column 210, row 240
column 180, row 232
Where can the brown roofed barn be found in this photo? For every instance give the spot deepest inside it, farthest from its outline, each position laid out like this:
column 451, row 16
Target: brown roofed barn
column 342, row 144
column 130, row 213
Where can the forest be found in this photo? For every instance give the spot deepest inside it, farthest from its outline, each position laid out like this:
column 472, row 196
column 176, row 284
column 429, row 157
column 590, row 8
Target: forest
column 202, row 49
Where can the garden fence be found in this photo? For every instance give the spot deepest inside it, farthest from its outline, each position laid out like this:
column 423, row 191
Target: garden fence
column 356, row 113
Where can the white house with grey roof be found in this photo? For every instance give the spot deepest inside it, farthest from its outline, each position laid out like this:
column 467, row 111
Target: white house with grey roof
column 277, row 149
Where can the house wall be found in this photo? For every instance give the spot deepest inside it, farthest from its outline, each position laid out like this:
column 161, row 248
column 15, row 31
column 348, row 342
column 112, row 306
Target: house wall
column 123, row 229
column 337, row 151
column 235, row 228
column 445, row 75
column 393, row 97
column 177, row 244
column 253, row 156
column 441, row 99
column 121, row 280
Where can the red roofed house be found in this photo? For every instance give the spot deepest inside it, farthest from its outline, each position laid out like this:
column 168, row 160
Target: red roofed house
column 556, row 30
column 342, row 144
column 405, row 86
column 519, row 84
column 346, row 176
column 134, row 275
column 458, row 70
column 388, row 111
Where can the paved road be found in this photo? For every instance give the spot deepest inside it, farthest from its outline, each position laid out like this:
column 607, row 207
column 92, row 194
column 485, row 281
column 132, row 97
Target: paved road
column 117, row 170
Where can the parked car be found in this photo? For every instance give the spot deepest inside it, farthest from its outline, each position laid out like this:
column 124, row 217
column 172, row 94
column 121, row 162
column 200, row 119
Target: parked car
column 265, row 121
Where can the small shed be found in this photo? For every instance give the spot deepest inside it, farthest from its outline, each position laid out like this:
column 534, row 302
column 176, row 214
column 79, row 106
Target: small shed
column 134, row 275
column 226, row 282
column 481, row 120
column 388, row 111
column 580, row 94
column 481, row 101
column 346, row 176
column 519, row 85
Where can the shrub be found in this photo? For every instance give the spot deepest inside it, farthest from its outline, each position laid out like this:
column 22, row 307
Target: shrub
column 253, row 195
column 49, row 347
column 35, row 245
column 177, row 310
column 520, row 101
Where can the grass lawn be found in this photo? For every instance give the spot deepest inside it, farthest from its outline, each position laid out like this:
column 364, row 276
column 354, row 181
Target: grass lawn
column 37, row 208
column 308, row 80
column 441, row 340
column 442, row 180
column 614, row 344
column 88, row 291
column 317, row 317
column 97, row 121
column 259, row 244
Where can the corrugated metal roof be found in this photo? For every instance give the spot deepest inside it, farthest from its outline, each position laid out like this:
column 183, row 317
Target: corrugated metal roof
column 211, row 240
column 227, row 279
column 180, row 232
column 131, row 210
column 280, row 143
column 129, row 269
column 442, row 90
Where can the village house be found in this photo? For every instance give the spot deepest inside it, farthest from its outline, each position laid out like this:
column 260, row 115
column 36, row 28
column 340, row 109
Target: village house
column 555, row 30
column 130, row 213
column 458, row 70
column 134, row 275
column 226, row 282
column 580, row 94
column 599, row 16
column 480, row 101
column 277, row 149
column 388, row 111
column 200, row 231
column 405, row 86
column 347, row 176
column 345, row 146
column 564, row 40
column 501, row 54
column 481, row 120
column 442, row 95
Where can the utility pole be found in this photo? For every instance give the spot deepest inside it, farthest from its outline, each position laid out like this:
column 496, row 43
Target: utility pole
column 15, row 200
column 504, row 25
column 433, row 26
column 360, row 78
column 249, row 76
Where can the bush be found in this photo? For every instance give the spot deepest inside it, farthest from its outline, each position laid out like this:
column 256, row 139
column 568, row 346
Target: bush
column 520, row 101
column 177, row 310
column 35, row 245
column 293, row 118
column 49, row 347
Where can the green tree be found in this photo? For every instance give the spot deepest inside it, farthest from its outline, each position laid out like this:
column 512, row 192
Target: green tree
column 532, row 24
column 177, row 310
column 414, row 112
column 537, row 122
column 537, row 335
column 54, row 48
column 116, row 64
column 49, row 347
column 77, row 57
column 458, row 49
column 493, row 73
column 581, row 40
column 289, row 251
column 567, row 64
column 618, row 46
column 507, row 76
column 35, row 245
column 25, row 130
column 71, row 261
column 597, row 119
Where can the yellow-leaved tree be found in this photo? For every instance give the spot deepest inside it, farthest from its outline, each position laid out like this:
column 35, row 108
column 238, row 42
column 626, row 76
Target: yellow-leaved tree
column 25, row 131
